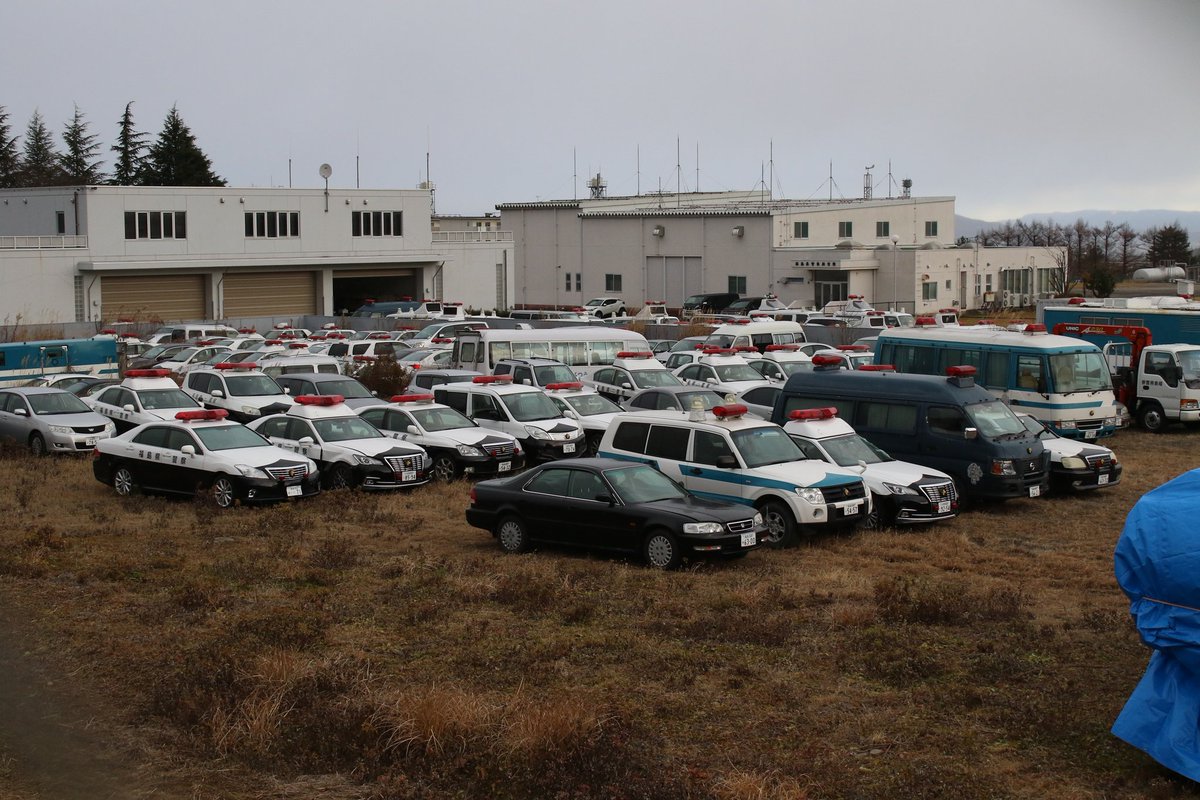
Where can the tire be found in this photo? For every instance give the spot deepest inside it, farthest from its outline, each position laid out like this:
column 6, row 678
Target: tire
column 37, row 445
column 879, row 517
column 512, row 535
column 122, row 482
column 781, row 525
column 224, row 493
column 340, row 477
column 661, row 550
column 593, row 444
column 1152, row 418
column 444, row 469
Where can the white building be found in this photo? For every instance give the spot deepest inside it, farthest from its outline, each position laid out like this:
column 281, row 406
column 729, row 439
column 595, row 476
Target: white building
column 102, row 253
column 894, row 251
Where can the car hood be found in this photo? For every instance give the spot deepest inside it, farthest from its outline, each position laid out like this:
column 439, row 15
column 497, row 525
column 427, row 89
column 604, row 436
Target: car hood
column 901, row 473
column 82, row 419
column 555, row 425
column 267, row 457
column 699, row 509
column 378, row 447
column 1060, row 448
column 471, row 436
column 809, row 472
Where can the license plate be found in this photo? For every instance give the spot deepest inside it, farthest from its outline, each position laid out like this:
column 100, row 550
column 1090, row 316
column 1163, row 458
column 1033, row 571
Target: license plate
column 1035, row 491
column 295, row 491
column 1103, row 480
column 569, row 447
column 90, row 441
column 749, row 539
column 408, row 475
column 851, row 509
column 1090, row 434
column 505, row 466
column 943, row 507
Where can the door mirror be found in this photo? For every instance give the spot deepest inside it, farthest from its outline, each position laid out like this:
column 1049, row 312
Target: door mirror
column 726, row 462
column 305, row 441
column 605, row 498
column 21, row 412
column 569, row 414
column 188, row 450
column 413, row 429
column 127, row 407
column 626, row 385
column 970, row 433
column 218, row 393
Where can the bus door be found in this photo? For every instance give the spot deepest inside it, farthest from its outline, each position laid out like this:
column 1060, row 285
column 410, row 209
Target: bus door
column 54, row 358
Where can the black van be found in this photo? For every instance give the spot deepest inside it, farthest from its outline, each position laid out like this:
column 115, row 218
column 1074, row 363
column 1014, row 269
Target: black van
column 708, row 303
column 945, row 423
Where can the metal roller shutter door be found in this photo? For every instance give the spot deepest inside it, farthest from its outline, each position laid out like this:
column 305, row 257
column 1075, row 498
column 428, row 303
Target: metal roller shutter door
column 268, row 293
column 165, row 297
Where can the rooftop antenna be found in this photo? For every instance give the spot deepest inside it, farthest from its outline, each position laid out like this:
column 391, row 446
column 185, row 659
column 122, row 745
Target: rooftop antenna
column 771, row 183
column 831, row 180
column 430, row 186
column 891, row 180
column 325, row 172
column 697, row 166
column 868, row 189
column 678, row 172
column 574, row 176
column 357, row 150
column 638, row 168
column 597, row 187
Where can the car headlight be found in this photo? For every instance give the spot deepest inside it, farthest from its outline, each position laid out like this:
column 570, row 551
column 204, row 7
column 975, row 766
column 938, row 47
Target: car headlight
column 249, row 471
column 251, row 411
column 1003, row 466
column 1074, row 462
column 536, row 432
column 703, row 527
column 468, row 450
column 758, row 519
column 811, row 495
column 61, row 430
column 1067, row 424
column 366, row 461
column 896, row 488
column 1188, row 405
column 109, row 428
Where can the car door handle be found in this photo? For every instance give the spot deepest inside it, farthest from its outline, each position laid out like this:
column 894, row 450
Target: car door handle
column 695, row 471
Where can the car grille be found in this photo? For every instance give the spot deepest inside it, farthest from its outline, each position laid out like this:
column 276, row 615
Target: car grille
column 1030, row 470
column 89, row 429
column 405, row 463
column 1101, row 462
column 846, row 491
column 502, row 450
column 741, row 526
column 1089, row 424
column 938, row 492
column 287, row 473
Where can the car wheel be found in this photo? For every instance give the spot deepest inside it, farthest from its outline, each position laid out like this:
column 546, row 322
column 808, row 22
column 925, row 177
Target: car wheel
column 444, row 469
column 878, row 516
column 122, row 481
column 512, row 535
column 223, row 492
column 340, row 477
column 660, row 550
column 1151, row 417
column 781, row 525
column 593, row 444
column 37, row 445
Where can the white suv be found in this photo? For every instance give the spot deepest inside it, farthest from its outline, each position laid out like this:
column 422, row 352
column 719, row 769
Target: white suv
column 525, row 412
column 601, row 307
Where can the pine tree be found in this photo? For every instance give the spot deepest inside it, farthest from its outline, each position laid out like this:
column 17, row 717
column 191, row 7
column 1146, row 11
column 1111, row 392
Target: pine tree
column 40, row 161
column 80, row 164
column 1169, row 245
column 130, row 149
column 10, row 159
column 175, row 159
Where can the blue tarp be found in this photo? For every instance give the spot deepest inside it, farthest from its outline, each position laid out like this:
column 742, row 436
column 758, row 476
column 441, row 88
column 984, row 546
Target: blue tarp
column 1157, row 564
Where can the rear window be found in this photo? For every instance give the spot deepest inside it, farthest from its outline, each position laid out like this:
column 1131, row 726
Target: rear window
column 631, row 437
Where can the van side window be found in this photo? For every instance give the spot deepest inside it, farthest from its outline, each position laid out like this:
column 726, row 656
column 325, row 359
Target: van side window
column 485, row 407
column 707, row 447
column 1029, row 373
column 892, row 417
column 466, row 352
column 996, row 374
column 456, row 400
column 668, row 442
column 631, row 437
column 944, row 419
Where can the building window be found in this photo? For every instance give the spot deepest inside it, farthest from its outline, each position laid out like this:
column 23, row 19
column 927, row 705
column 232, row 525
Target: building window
column 931, row 227
column 272, row 224
column 800, row 230
column 929, row 291
column 977, row 283
column 612, row 283
column 568, row 286
column 579, row 281
column 155, row 224
column 883, row 230
column 947, row 283
column 377, row 223
column 737, row 284
column 845, row 230
column 60, row 221
column 987, row 282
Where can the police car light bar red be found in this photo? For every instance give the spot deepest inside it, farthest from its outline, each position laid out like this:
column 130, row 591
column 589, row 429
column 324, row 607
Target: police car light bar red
column 273, row 341
column 729, row 412
column 109, row 332
column 379, row 335
column 740, row 322
column 492, row 379
column 567, row 385
column 247, row 330
column 441, row 340
column 335, row 335
column 853, row 348
column 147, row 373
column 297, row 345
column 1035, row 327
column 814, row 413
column 320, row 399
column 877, row 368
column 947, row 310
column 962, row 371
column 775, row 348
column 825, row 361
column 201, row 414
column 634, row 354
column 231, row 365
column 924, row 322
column 717, row 351
column 411, row 398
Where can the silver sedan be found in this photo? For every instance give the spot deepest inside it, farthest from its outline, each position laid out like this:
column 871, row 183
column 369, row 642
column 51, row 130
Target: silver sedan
column 48, row 420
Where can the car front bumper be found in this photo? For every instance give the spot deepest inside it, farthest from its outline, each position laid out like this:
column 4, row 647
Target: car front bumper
column 265, row 490
column 539, row 450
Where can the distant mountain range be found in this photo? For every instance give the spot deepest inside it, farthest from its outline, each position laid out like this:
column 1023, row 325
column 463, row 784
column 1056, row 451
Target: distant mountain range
column 1138, row 220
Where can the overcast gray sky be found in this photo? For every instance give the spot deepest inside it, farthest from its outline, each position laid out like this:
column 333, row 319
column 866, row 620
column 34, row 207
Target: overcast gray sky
column 1012, row 106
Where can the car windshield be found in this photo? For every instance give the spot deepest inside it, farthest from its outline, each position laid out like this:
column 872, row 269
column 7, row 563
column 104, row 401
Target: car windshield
column 724, row 340
column 56, row 403
column 554, row 373
column 642, row 484
column 156, row 351
column 646, row 378
column 687, row 344
column 1035, row 427
column 530, row 406
column 792, row 367
column 1189, row 360
column 993, row 418
column 848, row 450
column 588, row 404
column 229, row 437
column 766, row 445
column 737, row 372
column 347, row 387
column 1079, row 372
column 599, row 301
column 341, row 429
column 440, row 419
column 184, row 354
column 165, row 398
column 429, row 331
column 707, row 399
column 251, row 386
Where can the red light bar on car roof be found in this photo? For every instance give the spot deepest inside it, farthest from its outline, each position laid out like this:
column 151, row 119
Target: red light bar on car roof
column 825, row 361
column 320, row 399
column 554, row 387
column 878, row 368
column 147, row 373
column 717, row 351
column 1076, row 301
column 814, row 413
column 925, row 322
column 775, row 348
column 273, row 341
column 231, row 365
column 634, row 354
column 335, row 335
column 411, row 398
column 441, row 340
column 297, row 346
column 109, row 332
column 729, row 411
column 961, row 371
column 247, row 330
column 201, row 414
column 492, row 379
column 947, row 310
column 1035, row 327
column 739, row 322
column 853, row 348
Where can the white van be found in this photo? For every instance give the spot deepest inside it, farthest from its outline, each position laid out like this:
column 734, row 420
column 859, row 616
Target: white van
column 757, row 334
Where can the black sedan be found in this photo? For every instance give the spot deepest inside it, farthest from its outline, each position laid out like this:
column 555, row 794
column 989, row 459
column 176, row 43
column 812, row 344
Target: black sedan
column 609, row 504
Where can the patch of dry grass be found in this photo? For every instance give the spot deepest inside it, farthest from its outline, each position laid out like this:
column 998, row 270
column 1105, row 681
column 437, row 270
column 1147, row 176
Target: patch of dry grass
column 377, row 637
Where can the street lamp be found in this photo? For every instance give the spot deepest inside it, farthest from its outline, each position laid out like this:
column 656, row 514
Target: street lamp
column 895, row 244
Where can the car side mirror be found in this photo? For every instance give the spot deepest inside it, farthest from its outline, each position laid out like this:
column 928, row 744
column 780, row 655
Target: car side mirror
column 127, row 407
column 970, row 433
column 413, row 429
column 605, row 498
column 286, row 389
column 305, row 441
column 726, row 462
column 21, row 412
column 526, row 381
column 218, row 393
column 626, row 385
column 188, row 450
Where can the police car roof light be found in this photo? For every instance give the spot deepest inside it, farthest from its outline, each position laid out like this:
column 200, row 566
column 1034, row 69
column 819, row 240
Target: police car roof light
column 745, row 348
column 1035, row 327
column 247, row 330
column 814, row 413
column 201, row 414
column 947, row 310
column 961, row 371
column 878, row 368
column 825, row 361
column 775, row 348
column 411, row 398
column 379, row 335
column 492, row 379
column 297, row 345
column 565, row 385
column 924, row 322
column 634, row 354
column 320, row 399
column 441, row 340
column 147, row 373
column 717, row 351
column 729, row 411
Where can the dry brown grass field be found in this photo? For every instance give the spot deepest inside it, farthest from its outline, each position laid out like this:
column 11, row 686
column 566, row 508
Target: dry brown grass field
column 375, row 646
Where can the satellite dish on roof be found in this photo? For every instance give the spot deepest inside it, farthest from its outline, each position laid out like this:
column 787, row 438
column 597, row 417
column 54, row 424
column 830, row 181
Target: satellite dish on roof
column 326, row 171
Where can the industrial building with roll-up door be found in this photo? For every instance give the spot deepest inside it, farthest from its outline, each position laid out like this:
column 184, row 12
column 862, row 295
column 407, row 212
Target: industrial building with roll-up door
column 109, row 253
